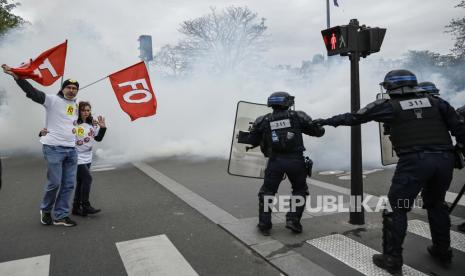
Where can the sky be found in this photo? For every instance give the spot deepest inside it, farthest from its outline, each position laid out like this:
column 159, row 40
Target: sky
column 294, row 25
column 195, row 116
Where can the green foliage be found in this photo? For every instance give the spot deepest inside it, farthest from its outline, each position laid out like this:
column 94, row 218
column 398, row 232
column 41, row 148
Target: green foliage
column 7, row 19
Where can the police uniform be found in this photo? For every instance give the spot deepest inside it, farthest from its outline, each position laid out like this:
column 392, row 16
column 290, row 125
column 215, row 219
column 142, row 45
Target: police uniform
column 461, row 112
column 419, row 128
column 280, row 136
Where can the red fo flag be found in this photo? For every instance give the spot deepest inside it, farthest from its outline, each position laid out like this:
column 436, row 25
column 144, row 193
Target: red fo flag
column 46, row 68
column 134, row 91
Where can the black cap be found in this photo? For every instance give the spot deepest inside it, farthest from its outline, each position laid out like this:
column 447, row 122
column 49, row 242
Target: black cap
column 70, row 82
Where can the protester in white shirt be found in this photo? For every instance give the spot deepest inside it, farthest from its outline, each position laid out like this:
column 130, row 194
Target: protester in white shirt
column 87, row 131
column 58, row 147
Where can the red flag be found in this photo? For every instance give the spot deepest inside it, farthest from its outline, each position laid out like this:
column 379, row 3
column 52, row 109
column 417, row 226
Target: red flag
column 134, row 91
column 46, row 68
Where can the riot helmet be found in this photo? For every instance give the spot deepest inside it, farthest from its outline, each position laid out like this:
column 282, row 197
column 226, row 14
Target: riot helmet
column 429, row 87
column 400, row 82
column 280, row 100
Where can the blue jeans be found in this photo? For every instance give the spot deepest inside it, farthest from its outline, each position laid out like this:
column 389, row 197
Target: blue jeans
column 61, row 177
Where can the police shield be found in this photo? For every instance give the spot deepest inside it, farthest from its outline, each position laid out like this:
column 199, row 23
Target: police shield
column 244, row 160
column 388, row 155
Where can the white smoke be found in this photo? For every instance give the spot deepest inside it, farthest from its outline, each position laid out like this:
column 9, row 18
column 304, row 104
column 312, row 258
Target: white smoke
column 195, row 115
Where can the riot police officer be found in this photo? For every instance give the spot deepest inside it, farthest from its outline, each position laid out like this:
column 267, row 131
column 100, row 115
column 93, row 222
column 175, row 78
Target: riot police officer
column 280, row 135
column 432, row 90
column 419, row 129
column 461, row 111
column 429, row 88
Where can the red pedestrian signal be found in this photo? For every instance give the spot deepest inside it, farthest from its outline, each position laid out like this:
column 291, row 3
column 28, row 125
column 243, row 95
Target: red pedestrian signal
column 344, row 39
column 335, row 40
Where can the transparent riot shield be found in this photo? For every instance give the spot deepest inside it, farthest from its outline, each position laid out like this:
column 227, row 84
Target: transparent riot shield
column 244, row 160
column 388, row 155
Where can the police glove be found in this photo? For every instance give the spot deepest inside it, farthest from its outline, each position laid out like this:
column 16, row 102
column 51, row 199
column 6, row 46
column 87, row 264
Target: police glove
column 319, row 122
column 243, row 137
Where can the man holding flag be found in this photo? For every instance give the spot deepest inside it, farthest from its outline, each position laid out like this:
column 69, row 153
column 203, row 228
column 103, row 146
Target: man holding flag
column 59, row 144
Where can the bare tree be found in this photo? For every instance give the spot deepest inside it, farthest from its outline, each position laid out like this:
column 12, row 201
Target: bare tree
column 219, row 40
column 457, row 28
column 171, row 58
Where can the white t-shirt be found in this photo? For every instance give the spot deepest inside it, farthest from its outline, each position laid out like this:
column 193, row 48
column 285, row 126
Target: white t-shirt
column 85, row 134
column 61, row 118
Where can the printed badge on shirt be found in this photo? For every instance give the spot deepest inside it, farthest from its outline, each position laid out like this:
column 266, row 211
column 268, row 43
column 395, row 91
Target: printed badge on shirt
column 70, row 109
column 80, row 132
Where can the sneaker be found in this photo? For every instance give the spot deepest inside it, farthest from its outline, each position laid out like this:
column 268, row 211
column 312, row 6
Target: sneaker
column 66, row 221
column 46, row 218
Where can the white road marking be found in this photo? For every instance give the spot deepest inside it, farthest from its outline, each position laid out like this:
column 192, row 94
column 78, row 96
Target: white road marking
column 153, row 256
column 450, row 197
column 36, row 266
column 102, row 169
column 331, row 172
column 421, row 228
column 343, row 249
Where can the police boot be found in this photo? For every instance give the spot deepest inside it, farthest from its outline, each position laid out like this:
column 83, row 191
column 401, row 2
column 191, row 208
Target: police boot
column 391, row 259
column 389, row 263
column 293, row 219
column 439, row 221
column 78, row 210
column 88, row 209
column 294, row 225
column 264, row 218
column 442, row 254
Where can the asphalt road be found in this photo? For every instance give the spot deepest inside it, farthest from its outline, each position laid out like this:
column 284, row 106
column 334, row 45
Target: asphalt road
column 134, row 206
column 209, row 217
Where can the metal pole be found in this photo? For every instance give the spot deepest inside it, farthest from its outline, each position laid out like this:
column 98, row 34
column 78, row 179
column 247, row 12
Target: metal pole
column 93, row 83
column 356, row 180
column 328, row 19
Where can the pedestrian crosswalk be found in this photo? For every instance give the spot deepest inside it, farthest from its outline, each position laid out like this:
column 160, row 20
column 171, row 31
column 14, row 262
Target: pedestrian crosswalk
column 157, row 255
column 421, row 228
column 359, row 256
column 37, row 266
column 354, row 254
column 151, row 256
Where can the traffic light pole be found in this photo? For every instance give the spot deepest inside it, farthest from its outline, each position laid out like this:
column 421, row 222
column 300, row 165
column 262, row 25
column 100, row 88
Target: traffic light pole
column 354, row 41
column 357, row 215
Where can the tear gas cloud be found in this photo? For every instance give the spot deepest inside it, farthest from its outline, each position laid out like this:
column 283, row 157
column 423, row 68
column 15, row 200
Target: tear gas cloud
column 195, row 115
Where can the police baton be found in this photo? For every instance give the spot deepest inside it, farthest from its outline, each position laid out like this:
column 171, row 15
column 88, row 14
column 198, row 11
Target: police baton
column 459, row 196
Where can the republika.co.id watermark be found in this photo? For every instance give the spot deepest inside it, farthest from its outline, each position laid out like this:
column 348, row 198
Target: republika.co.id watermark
column 333, row 204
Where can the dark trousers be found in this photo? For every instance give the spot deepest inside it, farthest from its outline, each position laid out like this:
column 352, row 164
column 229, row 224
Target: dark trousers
column 428, row 171
column 294, row 168
column 83, row 183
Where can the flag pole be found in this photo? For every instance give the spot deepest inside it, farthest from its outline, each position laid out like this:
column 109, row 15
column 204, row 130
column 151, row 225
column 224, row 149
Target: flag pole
column 328, row 18
column 93, row 83
column 64, row 65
